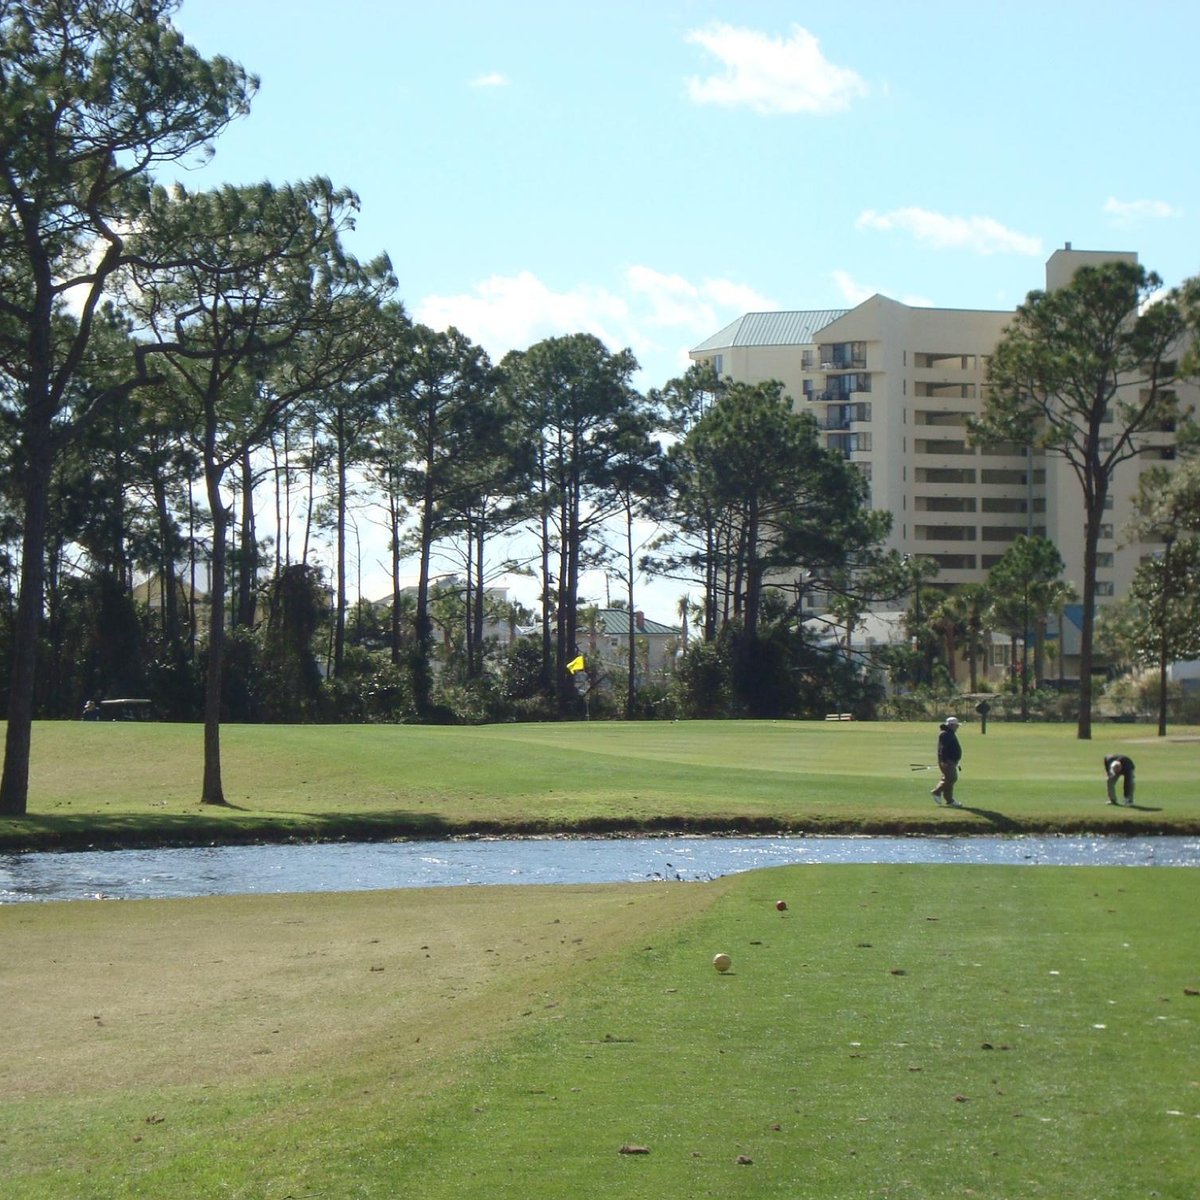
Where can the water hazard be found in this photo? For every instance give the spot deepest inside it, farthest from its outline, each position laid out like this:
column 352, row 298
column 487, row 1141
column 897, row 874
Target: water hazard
column 234, row 870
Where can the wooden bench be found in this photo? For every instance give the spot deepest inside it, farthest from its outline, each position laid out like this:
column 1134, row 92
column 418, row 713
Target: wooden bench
column 839, row 716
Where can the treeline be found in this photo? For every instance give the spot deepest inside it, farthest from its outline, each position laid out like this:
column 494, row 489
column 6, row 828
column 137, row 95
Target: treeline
column 165, row 355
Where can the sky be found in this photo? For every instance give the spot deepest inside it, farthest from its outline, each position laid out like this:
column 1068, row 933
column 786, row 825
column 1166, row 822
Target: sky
column 649, row 170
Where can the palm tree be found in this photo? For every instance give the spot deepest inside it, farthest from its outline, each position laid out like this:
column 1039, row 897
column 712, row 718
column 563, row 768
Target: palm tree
column 683, row 607
column 974, row 598
column 948, row 617
column 514, row 613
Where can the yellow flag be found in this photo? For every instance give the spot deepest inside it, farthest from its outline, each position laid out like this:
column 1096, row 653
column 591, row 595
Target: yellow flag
column 576, row 664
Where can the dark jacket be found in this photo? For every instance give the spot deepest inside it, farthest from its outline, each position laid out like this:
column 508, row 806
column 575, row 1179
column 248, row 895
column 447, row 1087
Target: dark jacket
column 1125, row 761
column 948, row 749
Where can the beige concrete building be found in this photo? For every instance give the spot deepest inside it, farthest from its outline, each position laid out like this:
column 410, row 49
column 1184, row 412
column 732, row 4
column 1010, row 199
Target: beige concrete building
column 892, row 387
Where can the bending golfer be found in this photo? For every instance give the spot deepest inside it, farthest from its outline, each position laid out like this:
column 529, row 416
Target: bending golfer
column 949, row 755
column 1118, row 766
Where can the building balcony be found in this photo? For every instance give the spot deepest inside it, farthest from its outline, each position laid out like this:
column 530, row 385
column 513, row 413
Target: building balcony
column 943, row 448
column 945, row 364
column 843, row 356
column 945, row 476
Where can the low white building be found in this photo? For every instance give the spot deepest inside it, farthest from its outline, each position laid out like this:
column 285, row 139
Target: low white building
column 655, row 644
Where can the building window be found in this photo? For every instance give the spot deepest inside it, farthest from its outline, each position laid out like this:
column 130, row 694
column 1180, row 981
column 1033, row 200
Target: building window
column 1106, row 531
column 1104, row 587
column 998, row 654
column 1104, row 558
column 718, row 363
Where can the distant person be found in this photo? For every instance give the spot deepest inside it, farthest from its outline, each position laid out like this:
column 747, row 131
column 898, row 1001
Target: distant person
column 949, row 755
column 983, row 708
column 91, row 711
column 1118, row 766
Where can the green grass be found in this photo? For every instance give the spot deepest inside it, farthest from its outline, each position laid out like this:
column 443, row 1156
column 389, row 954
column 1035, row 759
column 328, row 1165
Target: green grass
column 896, row 1032
column 135, row 783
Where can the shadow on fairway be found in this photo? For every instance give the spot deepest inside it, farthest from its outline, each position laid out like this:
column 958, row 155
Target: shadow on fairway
column 211, row 825
column 995, row 819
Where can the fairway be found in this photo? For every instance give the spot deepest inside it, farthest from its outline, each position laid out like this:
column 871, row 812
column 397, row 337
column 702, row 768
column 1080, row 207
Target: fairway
column 139, row 783
column 895, row 1031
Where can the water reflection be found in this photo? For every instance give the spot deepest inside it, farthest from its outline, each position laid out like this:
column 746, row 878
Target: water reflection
column 231, row 870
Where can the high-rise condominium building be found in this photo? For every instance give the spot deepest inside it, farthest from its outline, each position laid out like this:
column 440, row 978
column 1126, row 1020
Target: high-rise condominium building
column 892, row 386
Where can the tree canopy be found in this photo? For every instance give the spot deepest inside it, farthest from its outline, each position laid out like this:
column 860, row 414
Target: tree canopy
column 1083, row 372
column 94, row 94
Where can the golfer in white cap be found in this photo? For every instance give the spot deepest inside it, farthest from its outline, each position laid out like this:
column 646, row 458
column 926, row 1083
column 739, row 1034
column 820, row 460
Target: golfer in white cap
column 949, row 755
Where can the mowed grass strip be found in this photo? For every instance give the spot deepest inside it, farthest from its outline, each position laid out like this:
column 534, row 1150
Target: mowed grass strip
column 140, row 782
column 896, row 1031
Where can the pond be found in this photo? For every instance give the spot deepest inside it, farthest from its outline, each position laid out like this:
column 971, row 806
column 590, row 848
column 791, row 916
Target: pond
column 326, row 867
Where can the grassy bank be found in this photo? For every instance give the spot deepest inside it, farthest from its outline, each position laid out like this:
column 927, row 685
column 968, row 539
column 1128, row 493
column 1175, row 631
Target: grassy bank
column 138, row 784
column 897, row 1031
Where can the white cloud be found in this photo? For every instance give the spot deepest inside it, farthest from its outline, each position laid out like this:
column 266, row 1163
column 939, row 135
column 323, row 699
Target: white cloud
column 738, row 297
column 1129, row 212
column 659, row 316
column 505, row 313
column 676, row 302
column 772, row 75
column 980, row 235
column 494, row 79
column 854, row 293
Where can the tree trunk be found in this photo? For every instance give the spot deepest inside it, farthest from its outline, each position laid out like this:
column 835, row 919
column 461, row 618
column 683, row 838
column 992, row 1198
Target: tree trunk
column 248, row 557
column 394, row 519
column 339, row 620
column 212, row 791
column 753, row 576
column 547, row 594
column 1091, row 537
column 170, row 593
column 422, row 680
column 14, row 784
column 631, row 688
column 480, row 602
column 1163, row 648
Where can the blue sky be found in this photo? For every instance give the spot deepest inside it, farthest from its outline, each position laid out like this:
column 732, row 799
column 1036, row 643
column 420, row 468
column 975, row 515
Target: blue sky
column 648, row 171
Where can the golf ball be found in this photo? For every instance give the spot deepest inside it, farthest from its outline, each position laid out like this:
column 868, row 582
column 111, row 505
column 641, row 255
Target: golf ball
column 722, row 962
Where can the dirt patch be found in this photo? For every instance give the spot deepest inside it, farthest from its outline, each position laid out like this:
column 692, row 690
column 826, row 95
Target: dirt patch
column 110, row 995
